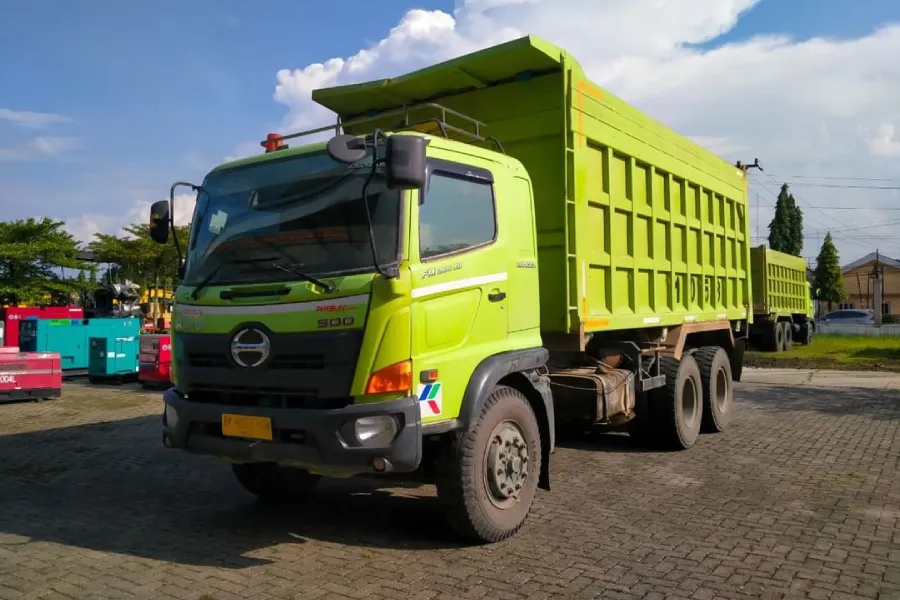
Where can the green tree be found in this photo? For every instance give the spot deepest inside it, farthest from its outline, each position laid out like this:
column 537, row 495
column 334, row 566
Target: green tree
column 137, row 257
column 795, row 229
column 30, row 251
column 829, row 282
column 786, row 227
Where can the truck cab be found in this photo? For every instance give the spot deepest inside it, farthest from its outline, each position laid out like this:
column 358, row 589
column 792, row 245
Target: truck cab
column 304, row 346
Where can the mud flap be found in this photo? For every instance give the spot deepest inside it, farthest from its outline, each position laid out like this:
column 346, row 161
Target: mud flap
column 736, row 358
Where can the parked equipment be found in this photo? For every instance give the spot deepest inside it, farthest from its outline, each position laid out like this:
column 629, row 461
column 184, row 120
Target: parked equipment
column 11, row 316
column 113, row 357
column 782, row 301
column 70, row 338
column 29, row 375
column 155, row 359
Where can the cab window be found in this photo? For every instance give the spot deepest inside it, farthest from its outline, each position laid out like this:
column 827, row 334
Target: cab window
column 457, row 215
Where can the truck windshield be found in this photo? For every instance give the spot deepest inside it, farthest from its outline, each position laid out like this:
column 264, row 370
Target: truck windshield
column 306, row 211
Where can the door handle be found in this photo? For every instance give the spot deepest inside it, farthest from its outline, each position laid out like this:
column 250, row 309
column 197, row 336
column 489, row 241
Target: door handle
column 496, row 296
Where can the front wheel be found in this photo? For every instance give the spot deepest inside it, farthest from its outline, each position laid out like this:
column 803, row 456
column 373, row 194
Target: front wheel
column 489, row 479
column 274, row 483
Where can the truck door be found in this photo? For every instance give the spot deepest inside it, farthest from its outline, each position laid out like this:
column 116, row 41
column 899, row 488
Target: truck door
column 459, row 284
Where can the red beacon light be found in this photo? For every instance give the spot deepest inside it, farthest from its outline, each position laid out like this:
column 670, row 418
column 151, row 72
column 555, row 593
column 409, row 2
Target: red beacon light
column 273, row 142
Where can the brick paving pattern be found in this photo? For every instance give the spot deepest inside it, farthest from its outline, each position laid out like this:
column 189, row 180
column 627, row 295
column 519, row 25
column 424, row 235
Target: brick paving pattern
column 800, row 498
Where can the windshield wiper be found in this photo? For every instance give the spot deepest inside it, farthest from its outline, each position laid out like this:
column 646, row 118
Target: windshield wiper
column 211, row 275
column 294, row 269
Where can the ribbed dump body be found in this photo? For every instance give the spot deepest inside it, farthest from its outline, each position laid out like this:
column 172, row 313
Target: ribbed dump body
column 779, row 282
column 637, row 225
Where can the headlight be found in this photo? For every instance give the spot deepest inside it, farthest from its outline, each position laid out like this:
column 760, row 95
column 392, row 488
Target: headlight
column 376, row 431
column 171, row 416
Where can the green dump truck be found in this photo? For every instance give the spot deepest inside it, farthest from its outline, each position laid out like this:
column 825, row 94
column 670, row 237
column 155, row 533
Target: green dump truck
column 483, row 252
column 782, row 301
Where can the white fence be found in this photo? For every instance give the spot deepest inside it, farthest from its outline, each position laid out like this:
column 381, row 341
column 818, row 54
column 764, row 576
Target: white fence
column 859, row 329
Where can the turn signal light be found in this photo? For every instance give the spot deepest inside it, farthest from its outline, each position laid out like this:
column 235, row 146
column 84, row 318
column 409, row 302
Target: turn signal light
column 392, row 378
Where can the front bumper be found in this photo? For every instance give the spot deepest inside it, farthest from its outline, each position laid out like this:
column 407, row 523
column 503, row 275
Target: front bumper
column 316, row 440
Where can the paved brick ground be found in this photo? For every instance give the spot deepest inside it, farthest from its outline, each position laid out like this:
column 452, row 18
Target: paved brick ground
column 800, row 499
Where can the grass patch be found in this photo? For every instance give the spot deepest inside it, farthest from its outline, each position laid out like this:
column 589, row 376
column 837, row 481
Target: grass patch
column 835, row 352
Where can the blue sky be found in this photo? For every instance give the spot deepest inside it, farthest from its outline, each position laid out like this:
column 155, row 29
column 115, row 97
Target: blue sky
column 163, row 91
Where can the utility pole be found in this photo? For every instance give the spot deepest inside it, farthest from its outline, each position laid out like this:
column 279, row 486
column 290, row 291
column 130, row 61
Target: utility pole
column 877, row 276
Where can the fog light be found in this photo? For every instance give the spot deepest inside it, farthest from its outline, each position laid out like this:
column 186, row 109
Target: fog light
column 376, row 431
column 171, row 417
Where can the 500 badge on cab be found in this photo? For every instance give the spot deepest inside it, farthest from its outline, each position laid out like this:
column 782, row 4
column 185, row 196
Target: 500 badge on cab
column 336, row 322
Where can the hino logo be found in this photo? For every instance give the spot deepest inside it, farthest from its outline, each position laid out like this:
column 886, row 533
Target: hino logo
column 250, row 347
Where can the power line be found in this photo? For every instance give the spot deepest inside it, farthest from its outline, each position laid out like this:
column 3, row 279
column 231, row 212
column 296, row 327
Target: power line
column 840, row 186
column 829, row 178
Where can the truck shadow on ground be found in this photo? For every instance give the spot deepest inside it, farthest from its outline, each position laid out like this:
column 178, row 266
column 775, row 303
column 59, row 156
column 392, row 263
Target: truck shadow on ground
column 112, row 487
column 876, row 404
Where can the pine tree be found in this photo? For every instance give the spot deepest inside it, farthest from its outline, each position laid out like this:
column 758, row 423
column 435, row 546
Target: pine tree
column 829, row 280
column 795, row 226
column 780, row 228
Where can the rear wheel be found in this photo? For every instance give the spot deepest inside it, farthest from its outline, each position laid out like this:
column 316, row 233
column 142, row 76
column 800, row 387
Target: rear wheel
column 489, row 479
column 778, row 335
column 275, row 483
column 678, row 410
column 788, row 335
column 715, row 373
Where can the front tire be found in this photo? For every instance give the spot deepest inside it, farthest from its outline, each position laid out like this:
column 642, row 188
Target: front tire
column 489, row 479
column 718, row 394
column 679, row 404
column 274, row 483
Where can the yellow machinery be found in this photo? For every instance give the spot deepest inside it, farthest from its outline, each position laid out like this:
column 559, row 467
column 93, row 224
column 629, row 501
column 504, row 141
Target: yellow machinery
column 156, row 307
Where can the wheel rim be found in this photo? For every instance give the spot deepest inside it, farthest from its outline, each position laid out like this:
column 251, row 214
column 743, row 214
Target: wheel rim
column 722, row 384
column 689, row 403
column 506, row 464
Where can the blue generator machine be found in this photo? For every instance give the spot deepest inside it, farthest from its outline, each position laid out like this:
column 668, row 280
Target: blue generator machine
column 113, row 357
column 70, row 338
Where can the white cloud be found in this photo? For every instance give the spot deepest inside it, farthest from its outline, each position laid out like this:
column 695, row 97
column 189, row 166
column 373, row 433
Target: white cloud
column 26, row 118
column 883, row 140
column 809, row 107
column 39, row 147
column 85, row 226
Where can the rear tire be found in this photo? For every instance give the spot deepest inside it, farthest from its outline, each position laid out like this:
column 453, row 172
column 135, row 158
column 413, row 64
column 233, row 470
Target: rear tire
column 274, row 483
column 788, row 328
column 718, row 394
column 678, row 409
column 778, row 337
column 488, row 480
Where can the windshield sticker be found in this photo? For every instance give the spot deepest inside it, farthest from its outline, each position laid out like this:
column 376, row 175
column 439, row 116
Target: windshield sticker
column 217, row 222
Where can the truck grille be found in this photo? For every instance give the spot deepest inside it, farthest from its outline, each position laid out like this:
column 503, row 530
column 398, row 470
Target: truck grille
column 303, row 368
column 207, row 393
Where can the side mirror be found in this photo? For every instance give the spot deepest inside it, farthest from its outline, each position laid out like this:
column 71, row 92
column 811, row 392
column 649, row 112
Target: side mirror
column 405, row 162
column 159, row 221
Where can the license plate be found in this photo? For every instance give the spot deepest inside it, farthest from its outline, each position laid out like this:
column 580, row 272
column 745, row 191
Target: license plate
column 243, row 426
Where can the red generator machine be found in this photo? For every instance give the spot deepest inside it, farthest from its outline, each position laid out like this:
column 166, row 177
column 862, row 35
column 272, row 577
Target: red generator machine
column 12, row 315
column 155, row 360
column 29, row 375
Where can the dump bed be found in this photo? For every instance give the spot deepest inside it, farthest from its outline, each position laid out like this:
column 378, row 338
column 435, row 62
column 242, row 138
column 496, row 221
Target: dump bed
column 637, row 225
column 779, row 282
